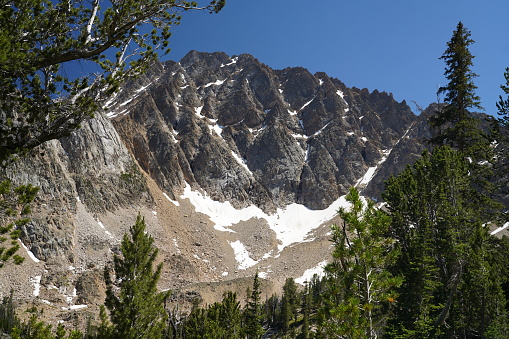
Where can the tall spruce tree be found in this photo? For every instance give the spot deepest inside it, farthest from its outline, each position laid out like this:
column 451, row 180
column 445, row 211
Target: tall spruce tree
column 454, row 124
column 253, row 314
column 360, row 289
column 136, row 307
column 503, row 104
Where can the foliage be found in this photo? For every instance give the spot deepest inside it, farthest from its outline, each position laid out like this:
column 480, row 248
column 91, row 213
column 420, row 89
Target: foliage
column 219, row 321
column 42, row 97
column 448, row 258
column 503, row 104
column 136, row 308
column 453, row 124
column 361, row 290
column 252, row 313
column 289, row 303
column 14, row 208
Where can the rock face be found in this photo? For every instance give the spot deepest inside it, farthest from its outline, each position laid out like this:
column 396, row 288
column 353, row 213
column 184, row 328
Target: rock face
column 248, row 134
column 233, row 129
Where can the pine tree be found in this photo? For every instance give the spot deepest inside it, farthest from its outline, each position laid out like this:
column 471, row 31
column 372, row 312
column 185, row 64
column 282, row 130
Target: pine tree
column 137, row 309
column 306, row 310
column 252, row 314
column 361, row 290
column 289, row 303
column 230, row 316
column 40, row 100
column 503, row 104
column 454, row 124
column 14, row 209
column 447, row 258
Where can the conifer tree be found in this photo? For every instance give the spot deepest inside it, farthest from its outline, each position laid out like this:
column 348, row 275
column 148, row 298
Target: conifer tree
column 252, row 314
column 230, row 316
column 14, row 210
column 136, row 308
column 289, row 303
column 40, row 99
column 454, row 124
column 503, row 104
column 447, row 254
column 360, row 288
column 306, row 310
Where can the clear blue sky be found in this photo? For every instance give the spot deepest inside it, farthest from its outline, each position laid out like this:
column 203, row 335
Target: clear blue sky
column 391, row 45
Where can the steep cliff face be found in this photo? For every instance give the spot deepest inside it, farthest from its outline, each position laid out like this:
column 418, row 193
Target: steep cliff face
column 248, row 134
column 91, row 167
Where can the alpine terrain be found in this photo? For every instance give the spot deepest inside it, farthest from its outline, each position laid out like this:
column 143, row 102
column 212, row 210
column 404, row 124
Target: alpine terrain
column 236, row 167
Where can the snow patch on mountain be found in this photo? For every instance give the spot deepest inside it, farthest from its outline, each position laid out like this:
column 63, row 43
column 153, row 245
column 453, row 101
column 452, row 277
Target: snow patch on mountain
column 292, row 223
column 309, row 273
column 30, row 254
column 242, row 255
column 500, row 228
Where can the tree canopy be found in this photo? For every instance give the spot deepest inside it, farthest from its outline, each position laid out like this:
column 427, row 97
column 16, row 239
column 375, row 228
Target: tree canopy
column 453, row 124
column 41, row 99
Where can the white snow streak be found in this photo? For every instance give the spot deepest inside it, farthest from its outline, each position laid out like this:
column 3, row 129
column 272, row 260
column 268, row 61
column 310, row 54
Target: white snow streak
column 242, row 255
column 198, row 111
column 307, row 103
column 30, row 254
column 309, row 273
column 233, row 61
column 37, row 284
column 176, row 203
column 342, row 95
column 141, row 89
column 242, row 162
column 216, row 83
column 500, row 228
column 370, row 173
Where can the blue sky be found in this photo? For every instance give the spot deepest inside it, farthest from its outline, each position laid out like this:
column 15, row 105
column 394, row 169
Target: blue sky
column 391, row 45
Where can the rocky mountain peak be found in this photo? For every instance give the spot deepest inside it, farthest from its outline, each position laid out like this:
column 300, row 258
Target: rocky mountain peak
column 229, row 160
column 248, row 134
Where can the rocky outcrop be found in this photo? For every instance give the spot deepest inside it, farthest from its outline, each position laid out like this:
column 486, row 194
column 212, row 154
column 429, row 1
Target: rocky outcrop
column 93, row 167
column 248, row 134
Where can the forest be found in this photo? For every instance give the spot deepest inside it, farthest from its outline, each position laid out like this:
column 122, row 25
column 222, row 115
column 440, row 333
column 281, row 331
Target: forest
column 422, row 264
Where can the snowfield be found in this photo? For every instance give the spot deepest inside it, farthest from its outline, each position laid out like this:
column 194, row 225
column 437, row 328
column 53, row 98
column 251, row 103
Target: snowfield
column 291, row 224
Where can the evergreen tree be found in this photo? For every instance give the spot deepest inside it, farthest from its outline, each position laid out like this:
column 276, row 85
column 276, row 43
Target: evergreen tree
column 289, row 303
column 503, row 104
column 137, row 309
column 252, row 314
column 14, row 209
column 273, row 311
column 306, row 310
column 39, row 100
column 361, row 290
column 454, row 124
column 451, row 284
column 230, row 316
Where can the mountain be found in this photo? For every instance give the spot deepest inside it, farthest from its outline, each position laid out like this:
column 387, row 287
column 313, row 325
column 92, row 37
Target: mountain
column 234, row 165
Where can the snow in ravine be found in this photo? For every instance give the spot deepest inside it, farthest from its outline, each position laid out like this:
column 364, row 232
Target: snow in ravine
column 309, row 273
column 242, row 255
column 307, row 103
column 176, row 203
column 37, row 284
column 291, row 224
column 30, row 254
